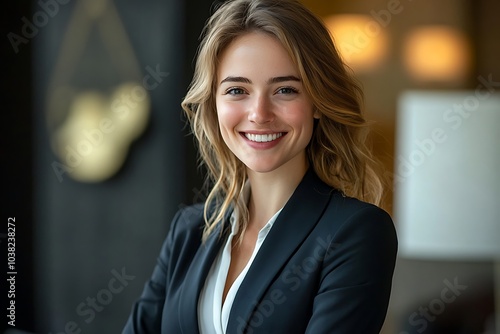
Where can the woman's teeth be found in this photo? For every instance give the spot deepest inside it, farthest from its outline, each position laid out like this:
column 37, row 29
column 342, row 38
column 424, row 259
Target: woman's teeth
column 263, row 138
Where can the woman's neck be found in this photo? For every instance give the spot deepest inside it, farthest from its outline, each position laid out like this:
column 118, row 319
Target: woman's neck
column 270, row 191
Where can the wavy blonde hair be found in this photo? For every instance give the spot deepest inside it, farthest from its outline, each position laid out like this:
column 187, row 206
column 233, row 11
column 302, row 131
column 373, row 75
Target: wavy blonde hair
column 338, row 150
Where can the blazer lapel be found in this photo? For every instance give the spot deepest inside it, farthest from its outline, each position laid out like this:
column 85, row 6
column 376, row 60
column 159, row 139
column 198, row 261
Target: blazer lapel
column 195, row 280
column 294, row 223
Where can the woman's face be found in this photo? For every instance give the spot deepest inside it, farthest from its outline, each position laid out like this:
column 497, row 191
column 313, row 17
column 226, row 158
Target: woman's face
column 265, row 116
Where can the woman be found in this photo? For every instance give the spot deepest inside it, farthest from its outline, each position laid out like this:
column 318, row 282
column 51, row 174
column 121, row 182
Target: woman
column 286, row 241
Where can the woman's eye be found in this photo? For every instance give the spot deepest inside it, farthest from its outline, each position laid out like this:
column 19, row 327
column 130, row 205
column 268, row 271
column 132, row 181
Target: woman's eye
column 287, row 90
column 235, row 91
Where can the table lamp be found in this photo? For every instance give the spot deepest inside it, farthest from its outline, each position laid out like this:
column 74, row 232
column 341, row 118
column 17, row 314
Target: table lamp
column 447, row 177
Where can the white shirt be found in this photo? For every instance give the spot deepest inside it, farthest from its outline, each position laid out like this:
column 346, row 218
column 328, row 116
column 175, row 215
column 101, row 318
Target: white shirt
column 212, row 315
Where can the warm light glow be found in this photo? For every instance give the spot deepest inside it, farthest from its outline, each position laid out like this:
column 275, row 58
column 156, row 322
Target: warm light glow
column 94, row 140
column 437, row 53
column 361, row 41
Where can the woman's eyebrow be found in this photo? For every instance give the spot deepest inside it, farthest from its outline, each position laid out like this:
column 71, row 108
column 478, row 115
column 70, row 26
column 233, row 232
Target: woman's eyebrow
column 270, row 81
column 236, row 79
column 283, row 79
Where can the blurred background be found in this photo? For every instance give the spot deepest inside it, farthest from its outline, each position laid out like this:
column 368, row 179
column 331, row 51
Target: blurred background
column 98, row 157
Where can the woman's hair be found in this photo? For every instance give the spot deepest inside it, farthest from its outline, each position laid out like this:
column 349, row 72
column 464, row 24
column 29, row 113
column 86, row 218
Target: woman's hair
column 338, row 151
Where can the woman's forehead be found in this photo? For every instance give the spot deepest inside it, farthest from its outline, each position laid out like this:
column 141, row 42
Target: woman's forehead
column 257, row 55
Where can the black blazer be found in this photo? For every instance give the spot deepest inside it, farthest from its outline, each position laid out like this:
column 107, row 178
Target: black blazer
column 326, row 266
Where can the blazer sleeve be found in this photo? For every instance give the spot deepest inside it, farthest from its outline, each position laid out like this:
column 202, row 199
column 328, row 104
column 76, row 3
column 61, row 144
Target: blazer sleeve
column 146, row 315
column 356, row 281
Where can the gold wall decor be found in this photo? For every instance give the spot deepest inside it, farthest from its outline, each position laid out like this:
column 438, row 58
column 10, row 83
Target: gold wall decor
column 97, row 104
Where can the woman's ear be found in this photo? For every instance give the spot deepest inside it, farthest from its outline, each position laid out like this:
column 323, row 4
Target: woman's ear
column 317, row 114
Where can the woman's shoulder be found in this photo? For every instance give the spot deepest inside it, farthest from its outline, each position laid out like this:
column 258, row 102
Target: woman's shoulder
column 354, row 216
column 335, row 209
column 348, row 206
column 188, row 217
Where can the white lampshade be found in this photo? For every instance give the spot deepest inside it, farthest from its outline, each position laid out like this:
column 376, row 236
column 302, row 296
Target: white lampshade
column 447, row 175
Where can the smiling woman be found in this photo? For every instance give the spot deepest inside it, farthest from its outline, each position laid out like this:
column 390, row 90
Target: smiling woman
column 287, row 240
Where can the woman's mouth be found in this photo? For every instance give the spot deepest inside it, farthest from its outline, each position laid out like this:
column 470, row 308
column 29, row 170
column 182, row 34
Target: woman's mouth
column 263, row 138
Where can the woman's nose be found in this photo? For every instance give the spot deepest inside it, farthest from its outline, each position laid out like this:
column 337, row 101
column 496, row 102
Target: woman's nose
column 261, row 111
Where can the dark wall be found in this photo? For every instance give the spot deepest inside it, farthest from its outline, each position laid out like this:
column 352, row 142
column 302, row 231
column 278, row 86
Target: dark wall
column 74, row 238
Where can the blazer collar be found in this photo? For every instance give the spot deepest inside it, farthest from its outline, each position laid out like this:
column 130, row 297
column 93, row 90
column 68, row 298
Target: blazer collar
column 298, row 217
column 196, row 277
